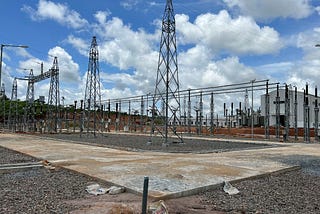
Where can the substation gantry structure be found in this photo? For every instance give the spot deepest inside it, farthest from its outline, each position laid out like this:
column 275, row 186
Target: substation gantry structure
column 28, row 122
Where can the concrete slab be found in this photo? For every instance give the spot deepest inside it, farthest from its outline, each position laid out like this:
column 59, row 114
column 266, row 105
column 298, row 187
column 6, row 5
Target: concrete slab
column 170, row 174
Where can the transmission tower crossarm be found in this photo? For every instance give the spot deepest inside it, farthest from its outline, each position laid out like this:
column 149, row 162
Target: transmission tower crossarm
column 45, row 75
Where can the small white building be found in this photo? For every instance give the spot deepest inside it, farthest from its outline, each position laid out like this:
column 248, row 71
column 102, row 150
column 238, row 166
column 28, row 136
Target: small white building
column 300, row 108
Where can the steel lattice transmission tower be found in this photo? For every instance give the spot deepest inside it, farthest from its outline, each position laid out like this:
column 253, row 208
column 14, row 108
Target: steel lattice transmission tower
column 53, row 111
column 29, row 110
column 13, row 106
column 92, row 101
column 166, row 94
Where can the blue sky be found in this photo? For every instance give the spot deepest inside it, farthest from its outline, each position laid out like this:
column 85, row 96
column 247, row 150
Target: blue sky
column 219, row 42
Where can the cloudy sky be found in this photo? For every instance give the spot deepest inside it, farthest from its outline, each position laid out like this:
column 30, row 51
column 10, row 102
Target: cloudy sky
column 219, row 42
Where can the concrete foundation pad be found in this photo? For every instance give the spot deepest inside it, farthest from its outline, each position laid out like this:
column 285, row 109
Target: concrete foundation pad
column 170, row 174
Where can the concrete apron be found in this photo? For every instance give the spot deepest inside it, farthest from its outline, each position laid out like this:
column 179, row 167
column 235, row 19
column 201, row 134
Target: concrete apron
column 170, row 174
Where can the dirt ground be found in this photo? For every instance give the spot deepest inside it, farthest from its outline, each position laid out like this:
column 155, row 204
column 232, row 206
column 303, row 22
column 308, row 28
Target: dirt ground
column 127, row 203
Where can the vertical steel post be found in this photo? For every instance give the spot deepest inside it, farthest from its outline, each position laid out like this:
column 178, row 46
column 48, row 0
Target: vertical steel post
column 74, row 116
column 277, row 114
column 117, row 119
column 231, row 117
column 119, row 116
column 201, row 114
column 145, row 195
column 141, row 114
column 252, row 115
column 306, row 116
column 189, row 112
column 287, row 113
column 81, row 117
column 129, row 116
column 184, row 113
column 211, row 114
column 267, row 113
column 295, row 114
column 316, row 115
column 241, row 115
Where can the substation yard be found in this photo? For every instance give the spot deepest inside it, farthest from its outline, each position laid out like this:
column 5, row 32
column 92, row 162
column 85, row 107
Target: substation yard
column 272, row 177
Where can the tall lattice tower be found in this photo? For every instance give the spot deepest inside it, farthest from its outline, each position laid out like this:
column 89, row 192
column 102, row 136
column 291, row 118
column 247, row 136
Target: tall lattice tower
column 166, row 94
column 13, row 106
column 29, row 110
column 3, row 103
column 91, row 119
column 53, row 111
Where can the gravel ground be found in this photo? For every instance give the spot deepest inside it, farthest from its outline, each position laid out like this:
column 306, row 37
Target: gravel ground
column 41, row 191
column 38, row 190
column 136, row 142
column 292, row 192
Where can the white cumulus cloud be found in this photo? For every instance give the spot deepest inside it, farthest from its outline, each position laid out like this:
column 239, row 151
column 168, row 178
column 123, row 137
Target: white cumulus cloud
column 220, row 32
column 57, row 12
column 271, row 9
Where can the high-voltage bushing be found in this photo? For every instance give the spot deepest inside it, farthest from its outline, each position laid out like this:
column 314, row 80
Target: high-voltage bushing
column 167, row 82
column 91, row 118
column 53, row 111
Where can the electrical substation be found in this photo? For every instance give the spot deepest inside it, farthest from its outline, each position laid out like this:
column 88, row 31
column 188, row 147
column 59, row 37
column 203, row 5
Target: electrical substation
column 282, row 120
